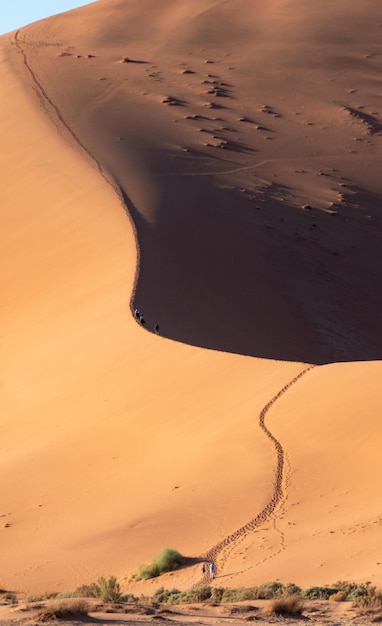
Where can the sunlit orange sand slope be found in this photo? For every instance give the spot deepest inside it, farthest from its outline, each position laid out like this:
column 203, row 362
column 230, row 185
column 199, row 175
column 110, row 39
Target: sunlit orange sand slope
column 243, row 141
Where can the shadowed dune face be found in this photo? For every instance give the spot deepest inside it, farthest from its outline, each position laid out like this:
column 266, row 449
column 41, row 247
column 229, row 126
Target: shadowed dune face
column 243, row 141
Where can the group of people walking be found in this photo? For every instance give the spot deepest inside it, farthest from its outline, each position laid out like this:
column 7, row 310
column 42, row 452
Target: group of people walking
column 211, row 569
column 139, row 317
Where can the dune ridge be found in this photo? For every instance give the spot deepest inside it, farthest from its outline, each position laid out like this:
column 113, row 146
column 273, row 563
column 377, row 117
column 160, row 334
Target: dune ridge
column 254, row 229
column 140, row 166
column 47, row 103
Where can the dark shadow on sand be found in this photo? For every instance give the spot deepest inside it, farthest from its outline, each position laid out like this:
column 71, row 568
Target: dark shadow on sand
column 242, row 274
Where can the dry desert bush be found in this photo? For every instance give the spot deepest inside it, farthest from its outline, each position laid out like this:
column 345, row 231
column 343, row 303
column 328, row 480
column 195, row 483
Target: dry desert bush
column 107, row 589
column 287, row 605
column 371, row 600
column 64, row 609
column 339, row 596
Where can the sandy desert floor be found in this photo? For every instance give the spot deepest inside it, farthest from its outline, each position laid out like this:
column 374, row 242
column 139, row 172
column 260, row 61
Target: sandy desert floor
column 215, row 164
column 316, row 613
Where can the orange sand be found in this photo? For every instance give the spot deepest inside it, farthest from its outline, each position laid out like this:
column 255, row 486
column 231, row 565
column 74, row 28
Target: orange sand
column 243, row 141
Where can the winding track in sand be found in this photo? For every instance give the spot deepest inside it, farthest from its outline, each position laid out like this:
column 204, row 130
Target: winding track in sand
column 219, row 553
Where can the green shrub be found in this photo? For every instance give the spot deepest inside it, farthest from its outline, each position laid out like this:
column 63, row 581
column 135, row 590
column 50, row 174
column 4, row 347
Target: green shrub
column 147, row 571
column 357, row 592
column 270, row 590
column 87, row 591
column 162, row 595
column 373, row 598
column 288, row 599
column 247, row 593
column 265, row 591
column 184, row 597
column 217, row 594
column 166, row 561
column 319, row 593
column 231, row 595
column 128, row 597
column 290, row 589
column 352, row 590
column 202, row 594
column 174, row 596
column 109, row 590
column 286, row 605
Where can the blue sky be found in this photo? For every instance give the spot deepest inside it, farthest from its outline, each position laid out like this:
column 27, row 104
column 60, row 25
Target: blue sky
column 17, row 13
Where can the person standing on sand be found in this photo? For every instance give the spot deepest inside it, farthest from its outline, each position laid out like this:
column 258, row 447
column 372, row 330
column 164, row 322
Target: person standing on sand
column 156, row 329
column 137, row 314
column 142, row 320
column 212, row 571
column 203, row 569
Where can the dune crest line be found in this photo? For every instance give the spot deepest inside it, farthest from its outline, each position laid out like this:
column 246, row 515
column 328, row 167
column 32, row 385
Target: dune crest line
column 278, row 493
column 46, row 102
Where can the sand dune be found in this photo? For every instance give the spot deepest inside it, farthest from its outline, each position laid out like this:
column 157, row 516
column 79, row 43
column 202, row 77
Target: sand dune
column 217, row 165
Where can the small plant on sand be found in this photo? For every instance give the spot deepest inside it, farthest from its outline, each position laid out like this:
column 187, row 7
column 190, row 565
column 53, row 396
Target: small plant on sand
column 32, row 599
column 287, row 605
column 270, row 590
column 231, row 595
column 109, row 590
column 372, row 599
column 340, row 596
column 169, row 559
column 319, row 593
column 66, row 594
column 202, row 594
column 163, row 595
column 9, row 597
column 64, row 609
column 217, row 594
column 290, row 589
column 240, row 594
column 87, row 591
column 174, row 596
column 286, row 598
column 145, row 572
column 166, row 561
column 352, row 590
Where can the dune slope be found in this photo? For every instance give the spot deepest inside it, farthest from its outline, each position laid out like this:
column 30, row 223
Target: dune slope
column 243, row 141
column 226, row 120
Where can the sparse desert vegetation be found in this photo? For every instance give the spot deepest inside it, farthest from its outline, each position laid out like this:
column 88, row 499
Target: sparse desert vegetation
column 371, row 599
column 7, row 597
column 63, row 609
column 109, row 589
column 266, row 602
column 286, row 605
column 166, row 561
